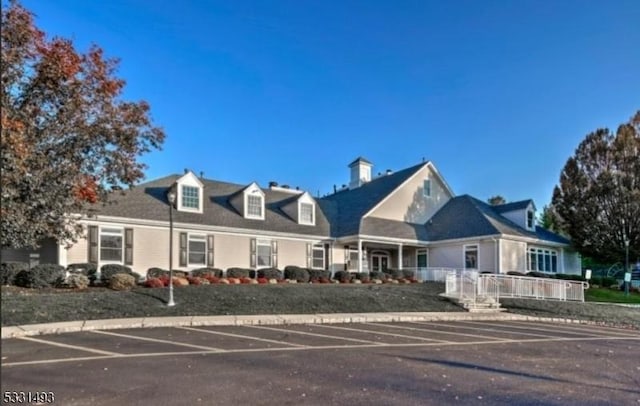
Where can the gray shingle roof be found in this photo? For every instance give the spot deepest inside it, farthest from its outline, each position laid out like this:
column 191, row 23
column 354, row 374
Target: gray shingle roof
column 520, row 205
column 465, row 217
column 352, row 204
column 149, row 201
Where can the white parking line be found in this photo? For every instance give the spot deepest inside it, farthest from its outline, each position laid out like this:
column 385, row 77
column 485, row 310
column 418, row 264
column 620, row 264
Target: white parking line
column 355, row 340
column 548, row 330
column 600, row 331
column 75, row 347
column 443, row 332
column 382, row 333
column 242, row 336
column 156, row 340
column 493, row 330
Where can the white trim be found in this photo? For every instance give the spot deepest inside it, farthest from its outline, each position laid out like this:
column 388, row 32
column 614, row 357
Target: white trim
column 247, row 215
column 62, row 255
column 317, row 247
column 100, row 233
column 264, row 242
column 163, row 225
column 400, row 257
column 313, row 214
column 425, row 165
column 189, row 179
column 201, row 237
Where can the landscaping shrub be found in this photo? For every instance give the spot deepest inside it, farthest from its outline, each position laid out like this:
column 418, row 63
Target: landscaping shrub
column 77, row 281
column 193, row 280
column 41, row 276
column 109, row 270
column 212, row 279
column 296, row 273
column 608, row 281
column 202, row 272
column 180, row 281
column 363, row 277
column 122, row 281
column 83, row 268
column 319, row 273
column 343, row 276
column 408, row 274
column 238, row 272
column 156, row 273
column 394, row 274
column 246, row 281
column 377, row 275
column 154, row 283
column 516, row 273
column 536, row 274
column 566, row 277
column 270, row 273
column 324, row 280
column 263, row 281
column 9, row 270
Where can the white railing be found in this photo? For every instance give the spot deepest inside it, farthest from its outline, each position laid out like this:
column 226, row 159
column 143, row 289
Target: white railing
column 529, row 287
column 461, row 285
column 433, row 274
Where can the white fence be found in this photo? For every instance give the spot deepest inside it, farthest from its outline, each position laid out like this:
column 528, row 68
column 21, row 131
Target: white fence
column 469, row 285
column 433, row 274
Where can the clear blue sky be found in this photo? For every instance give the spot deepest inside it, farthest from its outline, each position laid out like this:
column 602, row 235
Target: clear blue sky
column 497, row 94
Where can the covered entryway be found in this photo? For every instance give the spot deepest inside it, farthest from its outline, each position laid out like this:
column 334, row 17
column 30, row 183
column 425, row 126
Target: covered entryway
column 379, row 261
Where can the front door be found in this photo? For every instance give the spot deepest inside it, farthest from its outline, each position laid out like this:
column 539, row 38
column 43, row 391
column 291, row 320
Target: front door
column 379, row 262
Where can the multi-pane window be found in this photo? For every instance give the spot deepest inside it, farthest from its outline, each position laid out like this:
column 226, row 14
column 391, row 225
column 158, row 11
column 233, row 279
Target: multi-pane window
column 318, row 257
column 111, row 242
column 542, row 260
column 427, row 188
column 263, row 251
column 306, row 213
column 471, row 257
column 254, row 206
column 197, row 249
column 190, row 197
column 353, row 259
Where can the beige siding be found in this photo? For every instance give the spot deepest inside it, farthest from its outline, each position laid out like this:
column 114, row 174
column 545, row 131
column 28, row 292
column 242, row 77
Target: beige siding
column 487, row 256
column 513, row 255
column 450, row 256
column 408, row 203
column 232, row 251
column 78, row 252
column 292, row 253
column 151, row 249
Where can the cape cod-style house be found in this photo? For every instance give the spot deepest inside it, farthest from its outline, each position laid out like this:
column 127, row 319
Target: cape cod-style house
column 405, row 219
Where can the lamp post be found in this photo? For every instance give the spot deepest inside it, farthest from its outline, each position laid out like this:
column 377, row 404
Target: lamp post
column 627, row 275
column 172, row 199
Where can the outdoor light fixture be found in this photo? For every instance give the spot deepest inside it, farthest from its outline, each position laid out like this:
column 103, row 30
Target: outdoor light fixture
column 627, row 274
column 172, row 199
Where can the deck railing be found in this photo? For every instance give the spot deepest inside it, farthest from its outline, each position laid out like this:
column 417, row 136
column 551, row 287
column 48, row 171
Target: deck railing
column 535, row 288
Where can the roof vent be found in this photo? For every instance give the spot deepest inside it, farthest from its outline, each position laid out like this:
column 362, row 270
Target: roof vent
column 389, row 171
column 285, row 186
column 273, row 184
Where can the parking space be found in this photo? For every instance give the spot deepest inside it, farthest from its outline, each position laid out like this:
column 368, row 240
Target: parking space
column 224, row 339
column 408, row 363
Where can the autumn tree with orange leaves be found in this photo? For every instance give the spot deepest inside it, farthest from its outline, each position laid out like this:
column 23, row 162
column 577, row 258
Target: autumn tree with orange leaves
column 68, row 138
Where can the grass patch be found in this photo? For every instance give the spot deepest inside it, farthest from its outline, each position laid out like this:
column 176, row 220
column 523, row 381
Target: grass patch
column 611, row 296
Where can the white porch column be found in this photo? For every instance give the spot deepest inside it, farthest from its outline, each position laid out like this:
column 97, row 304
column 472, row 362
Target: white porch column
column 561, row 259
column 359, row 255
column 400, row 257
column 62, row 255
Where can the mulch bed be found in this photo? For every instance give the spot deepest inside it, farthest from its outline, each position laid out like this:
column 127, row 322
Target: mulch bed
column 29, row 306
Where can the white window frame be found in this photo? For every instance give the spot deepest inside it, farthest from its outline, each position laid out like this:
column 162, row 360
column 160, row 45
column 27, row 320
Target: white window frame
column 533, row 219
column 199, row 238
column 313, row 214
column 103, row 231
column 249, row 215
column 264, row 243
column 464, row 256
column 316, row 248
column 426, row 189
column 352, row 262
column 419, row 252
column 546, row 254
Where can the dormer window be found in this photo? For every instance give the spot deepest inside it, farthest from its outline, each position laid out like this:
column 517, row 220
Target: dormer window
column 254, row 206
column 530, row 219
column 189, row 193
column 190, row 197
column 307, row 213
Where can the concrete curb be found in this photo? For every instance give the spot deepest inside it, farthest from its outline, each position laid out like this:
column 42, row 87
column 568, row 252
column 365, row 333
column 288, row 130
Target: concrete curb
column 284, row 319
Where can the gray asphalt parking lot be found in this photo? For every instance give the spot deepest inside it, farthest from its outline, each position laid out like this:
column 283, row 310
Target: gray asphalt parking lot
column 478, row 362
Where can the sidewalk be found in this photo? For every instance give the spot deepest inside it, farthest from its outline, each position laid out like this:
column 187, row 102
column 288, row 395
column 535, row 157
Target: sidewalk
column 324, row 318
